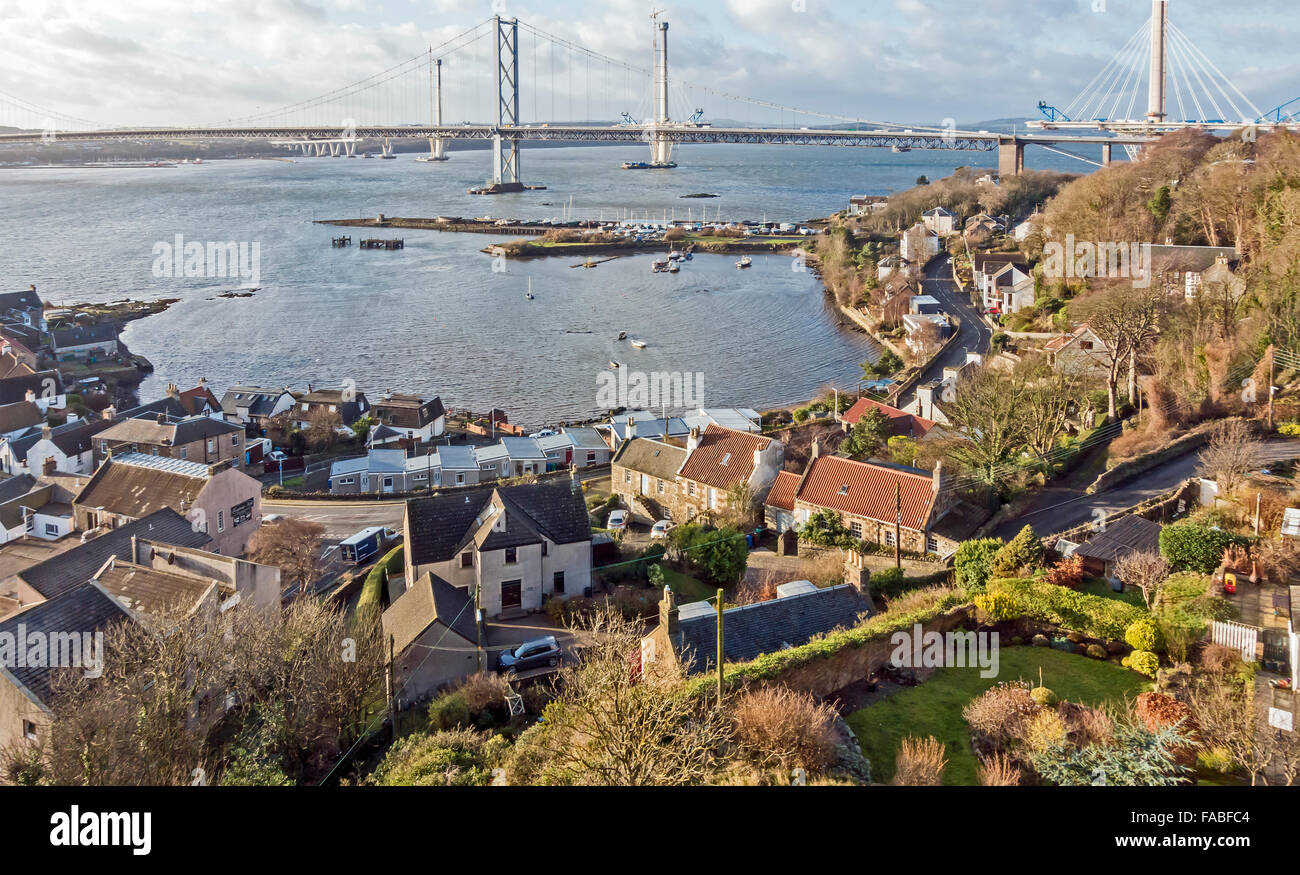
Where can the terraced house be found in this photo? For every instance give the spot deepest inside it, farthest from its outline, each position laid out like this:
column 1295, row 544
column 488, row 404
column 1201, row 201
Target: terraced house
column 194, row 438
column 664, row 480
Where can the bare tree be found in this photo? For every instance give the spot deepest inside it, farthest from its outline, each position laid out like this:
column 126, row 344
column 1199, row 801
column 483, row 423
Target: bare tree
column 1224, row 714
column 1108, row 314
column 292, row 545
column 987, row 408
column 323, row 428
column 1146, row 571
column 614, row 724
column 1233, row 451
column 1051, row 397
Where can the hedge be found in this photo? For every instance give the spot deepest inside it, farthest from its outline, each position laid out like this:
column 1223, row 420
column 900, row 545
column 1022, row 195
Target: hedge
column 372, row 591
column 1189, row 546
column 770, row 666
column 1091, row 615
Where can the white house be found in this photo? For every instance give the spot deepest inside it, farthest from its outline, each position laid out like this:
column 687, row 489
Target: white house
column 409, row 417
column 939, row 220
column 68, row 449
column 1009, row 290
column 919, row 244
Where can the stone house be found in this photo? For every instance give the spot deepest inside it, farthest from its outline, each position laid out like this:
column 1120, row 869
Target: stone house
column 194, row 438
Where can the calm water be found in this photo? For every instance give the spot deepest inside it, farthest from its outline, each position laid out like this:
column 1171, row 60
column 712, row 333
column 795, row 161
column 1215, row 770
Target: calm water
column 435, row 318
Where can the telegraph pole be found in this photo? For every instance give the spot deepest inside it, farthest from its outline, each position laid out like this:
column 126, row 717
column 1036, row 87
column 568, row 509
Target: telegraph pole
column 1272, row 375
column 898, row 526
column 719, row 658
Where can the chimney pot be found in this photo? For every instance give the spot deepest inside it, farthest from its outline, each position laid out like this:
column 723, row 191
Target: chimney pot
column 669, row 616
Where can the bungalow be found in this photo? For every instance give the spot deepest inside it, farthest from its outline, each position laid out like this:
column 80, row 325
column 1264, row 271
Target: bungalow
column 411, row 417
column 218, row 499
column 82, row 341
column 1124, row 537
column 67, row 448
column 871, row 500
column 939, row 220
column 253, row 406
column 1080, row 352
column 589, row 447
column 688, row 634
column 901, row 423
column 511, row 548
column 919, row 244
column 512, row 457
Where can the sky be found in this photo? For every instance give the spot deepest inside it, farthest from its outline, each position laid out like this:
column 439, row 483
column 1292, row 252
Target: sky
column 164, row 62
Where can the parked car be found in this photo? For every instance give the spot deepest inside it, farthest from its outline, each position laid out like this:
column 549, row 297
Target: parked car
column 544, row 433
column 617, row 521
column 662, row 529
column 276, row 456
column 538, row 653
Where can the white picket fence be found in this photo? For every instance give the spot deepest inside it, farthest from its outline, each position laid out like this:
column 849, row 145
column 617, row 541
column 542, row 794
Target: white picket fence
column 1238, row 636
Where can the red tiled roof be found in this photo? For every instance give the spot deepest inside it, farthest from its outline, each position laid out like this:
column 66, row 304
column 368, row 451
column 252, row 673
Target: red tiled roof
column 869, row 492
column 1059, row 343
column 900, row 420
column 723, row 458
column 782, row 493
column 198, row 393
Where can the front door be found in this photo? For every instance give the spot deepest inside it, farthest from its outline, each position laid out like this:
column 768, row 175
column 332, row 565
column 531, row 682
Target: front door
column 512, row 594
column 388, row 484
column 645, row 485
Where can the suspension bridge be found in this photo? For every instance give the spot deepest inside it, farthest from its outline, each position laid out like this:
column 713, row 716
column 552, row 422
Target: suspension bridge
column 487, row 64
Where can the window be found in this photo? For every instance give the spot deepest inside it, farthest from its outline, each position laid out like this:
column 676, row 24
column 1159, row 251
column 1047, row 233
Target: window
column 512, row 555
column 931, row 544
column 153, row 451
column 690, row 489
column 661, row 487
column 889, row 537
column 347, row 481
column 51, row 529
column 467, row 559
column 558, row 586
column 29, row 730
column 855, row 528
column 627, row 476
column 1085, row 344
column 221, row 521
column 460, row 479
column 212, row 445
column 103, row 447
column 185, row 451
column 546, row 547
column 234, row 440
column 420, row 477
column 591, row 457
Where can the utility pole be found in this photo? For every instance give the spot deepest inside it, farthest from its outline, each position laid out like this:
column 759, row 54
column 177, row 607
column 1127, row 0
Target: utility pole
column 719, row 657
column 898, row 526
column 388, row 688
column 1272, row 375
column 478, row 624
column 1257, row 500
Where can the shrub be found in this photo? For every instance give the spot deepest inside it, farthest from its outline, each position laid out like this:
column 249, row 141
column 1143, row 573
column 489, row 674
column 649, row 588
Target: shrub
column 484, row 690
column 999, row 606
column 1067, row 573
column 449, row 711
column 999, row 771
column 1065, row 645
column 1220, row 659
column 1189, row 546
column 1043, row 696
column 1144, row 635
column 1001, row 713
column 1091, row 615
column 920, row 763
column 1218, row 759
column 780, row 726
column 1143, row 662
column 441, row 759
column 1290, row 429
column 1040, row 641
column 1045, row 731
column 801, row 415
column 888, row 583
column 1096, row 651
column 973, row 562
column 1021, row 553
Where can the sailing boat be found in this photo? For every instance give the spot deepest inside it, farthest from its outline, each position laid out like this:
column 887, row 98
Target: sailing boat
column 528, row 295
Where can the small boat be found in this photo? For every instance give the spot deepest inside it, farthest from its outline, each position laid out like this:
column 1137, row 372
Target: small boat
column 674, row 268
column 660, row 266
column 690, row 256
column 615, row 365
column 676, row 256
column 590, row 264
column 639, row 344
column 528, row 295
column 622, row 335
column 901, row 149
column 745, row 262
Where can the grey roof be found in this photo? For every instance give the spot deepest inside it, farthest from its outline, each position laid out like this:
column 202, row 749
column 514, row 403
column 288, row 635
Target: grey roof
column 650, row 428
column 258, row 402
column 587, row 438
column 430, row 600
column 438, row 527
column 82, row 610
column 61, row 573
column 84, row 335
column 13, row 487
column 523, row 448
column 168, row 405
column 766, row 627
column 14, row 389
column 1130, row 534
column 458, row 458
column 72, row 439
column 651, row 457
column 1190, row 258
column 22, row 301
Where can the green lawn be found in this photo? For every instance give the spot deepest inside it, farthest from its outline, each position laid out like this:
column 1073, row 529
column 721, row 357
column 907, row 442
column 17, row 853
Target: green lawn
column 934, row 707
column 1097, row 586
column 688, row 589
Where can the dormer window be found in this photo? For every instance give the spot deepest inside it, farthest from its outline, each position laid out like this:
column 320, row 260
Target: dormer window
column 726, row 459
column 844, row 490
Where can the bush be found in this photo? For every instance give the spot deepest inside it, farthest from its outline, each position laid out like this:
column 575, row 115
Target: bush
column 721, row 555
column 1143, row 662
column 483, row 691
column 1024, row 551
column 888, row 583
column 1091, row 615
column 999, row 606
column 973, row 562
column 1217, row 759
column 801, row 415
column 442, row 759
column 1290, row 429
column 781, row 727
column 1043, row 696
column 1189, row 546
column 1096, row 651
column 1000, row 714
column 1144, row 635
column 449, row 711
column 920, row 763
column 1045, row 731
column 1220, row 659
column 1040, row 641
column 1067, row 573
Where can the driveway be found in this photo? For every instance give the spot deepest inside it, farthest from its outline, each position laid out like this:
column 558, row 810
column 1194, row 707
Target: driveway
column 1056, row 510
column 974, row 335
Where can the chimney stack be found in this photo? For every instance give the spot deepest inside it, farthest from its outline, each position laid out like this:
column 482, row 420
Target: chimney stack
column 631, row 427
column 669, row 619
column 46, row 431
column 693, row 440
column 30, row 396
column 816, row 448
column 173, row 391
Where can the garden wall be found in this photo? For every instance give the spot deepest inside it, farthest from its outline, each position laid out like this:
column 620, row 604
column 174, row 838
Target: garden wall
column 1162, row 509
column 1125, row 471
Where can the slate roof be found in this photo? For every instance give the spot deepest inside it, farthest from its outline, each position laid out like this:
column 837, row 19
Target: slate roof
column 23, row 301
column 438, row 527
column 135, row 485
column 172, row 432
column 60, row 573
column 408, row 411
column 19, row 415
column 83, row 609
column 84, row 335
column 651, row 457
column 258, row 402
column 167, row 405
column 457, row 458
column 723, row 458
column 12, row 487
column 431, row 600
column 138, row 588
column 72, row 439
column 1190, row 258
column 1130, row 534
column 767, row 627
column 866, row 489
column 14, row 389
column 586, row 439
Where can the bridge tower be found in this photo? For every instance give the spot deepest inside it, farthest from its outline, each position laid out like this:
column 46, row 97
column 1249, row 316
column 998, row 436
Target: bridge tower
column 505, row 149
column 661, row 148
column 1159, row 60
column 437, row 145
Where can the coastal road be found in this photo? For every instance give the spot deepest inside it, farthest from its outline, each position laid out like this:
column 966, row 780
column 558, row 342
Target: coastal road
column 1056, row 510
column 974, row 335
